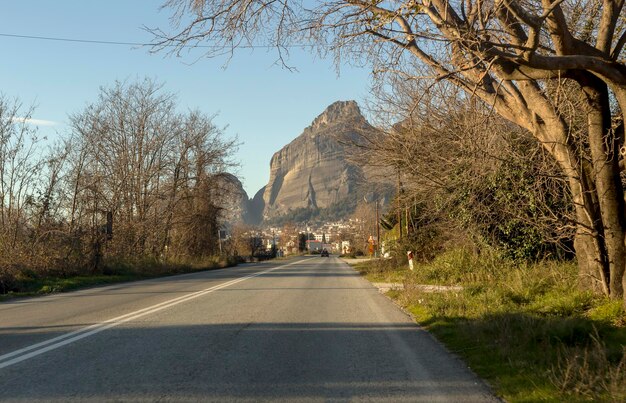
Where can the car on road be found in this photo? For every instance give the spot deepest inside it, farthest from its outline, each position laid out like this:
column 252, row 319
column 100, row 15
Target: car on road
column 324, row 253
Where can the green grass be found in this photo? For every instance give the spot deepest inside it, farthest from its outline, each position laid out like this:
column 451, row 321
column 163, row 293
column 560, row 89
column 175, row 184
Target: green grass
column 381, row 271
column 526, row 329
column 29, row 283
column 38, row 286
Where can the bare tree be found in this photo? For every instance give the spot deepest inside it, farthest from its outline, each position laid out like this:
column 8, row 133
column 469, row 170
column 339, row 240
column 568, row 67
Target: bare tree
column 289, row 237
column 134, row 179
column 364, row 219
column 31, row 196
column 152, row 170
column 246, row 240
column 19, row 175
column 505, row 53
column 20, row 170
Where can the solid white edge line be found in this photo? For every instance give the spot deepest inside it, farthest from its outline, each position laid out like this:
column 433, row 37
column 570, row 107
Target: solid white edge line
column 62, row 340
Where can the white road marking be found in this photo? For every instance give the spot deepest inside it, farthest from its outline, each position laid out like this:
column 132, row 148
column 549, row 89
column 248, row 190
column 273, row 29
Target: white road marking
column 68, row 338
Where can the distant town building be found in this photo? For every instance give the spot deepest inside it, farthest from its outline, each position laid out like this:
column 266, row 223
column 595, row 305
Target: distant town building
column 346, row 247
column 313, row 245
column 323, row 237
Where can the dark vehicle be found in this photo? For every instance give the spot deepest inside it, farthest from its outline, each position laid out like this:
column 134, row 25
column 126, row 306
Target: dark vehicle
column 324, row 253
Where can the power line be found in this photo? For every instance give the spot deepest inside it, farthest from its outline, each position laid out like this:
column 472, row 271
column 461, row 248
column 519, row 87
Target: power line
column 48, row 38
column 98, row 42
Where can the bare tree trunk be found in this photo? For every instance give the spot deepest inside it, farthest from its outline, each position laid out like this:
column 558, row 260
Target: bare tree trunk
column 604, row 148
column 588, row 242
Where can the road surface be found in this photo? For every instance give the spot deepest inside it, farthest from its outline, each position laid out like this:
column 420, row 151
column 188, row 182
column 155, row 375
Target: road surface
column 307, row 329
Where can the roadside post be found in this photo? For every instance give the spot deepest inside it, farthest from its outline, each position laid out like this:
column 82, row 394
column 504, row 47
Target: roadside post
column 370, row 247
column 409, row 255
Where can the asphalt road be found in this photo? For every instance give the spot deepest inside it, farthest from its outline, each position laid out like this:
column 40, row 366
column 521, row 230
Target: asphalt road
column 308, row 329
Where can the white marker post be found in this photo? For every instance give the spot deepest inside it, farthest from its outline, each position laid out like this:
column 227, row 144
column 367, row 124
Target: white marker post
column 409, row 255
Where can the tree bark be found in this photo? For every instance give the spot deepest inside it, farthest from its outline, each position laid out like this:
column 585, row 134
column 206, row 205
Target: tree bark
column 604, row 148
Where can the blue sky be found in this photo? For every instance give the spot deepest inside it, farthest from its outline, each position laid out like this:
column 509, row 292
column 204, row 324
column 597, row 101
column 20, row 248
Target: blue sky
column 263, row 104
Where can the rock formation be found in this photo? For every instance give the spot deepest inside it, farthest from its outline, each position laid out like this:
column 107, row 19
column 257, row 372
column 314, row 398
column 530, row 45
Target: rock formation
column 312, row 172
column 254, row 208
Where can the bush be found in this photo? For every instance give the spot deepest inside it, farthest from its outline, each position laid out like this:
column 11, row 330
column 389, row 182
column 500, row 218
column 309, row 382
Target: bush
column 425, row 241
column 8, row 280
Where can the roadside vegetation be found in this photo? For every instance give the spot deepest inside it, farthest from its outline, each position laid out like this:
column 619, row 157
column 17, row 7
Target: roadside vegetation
column 30, row 283
column 484, row 207
column 526, row 328
column 132, row 189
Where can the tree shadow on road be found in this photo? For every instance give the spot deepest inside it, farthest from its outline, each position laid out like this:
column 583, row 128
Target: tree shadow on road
column 247, row 361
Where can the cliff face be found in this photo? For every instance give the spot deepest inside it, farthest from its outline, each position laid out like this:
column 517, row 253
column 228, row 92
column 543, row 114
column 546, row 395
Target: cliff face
column 233, row 196
column 238, row 207
column 312, row 171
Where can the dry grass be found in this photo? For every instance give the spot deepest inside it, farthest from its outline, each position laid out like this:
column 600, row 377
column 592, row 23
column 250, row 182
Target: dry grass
column 588, row 373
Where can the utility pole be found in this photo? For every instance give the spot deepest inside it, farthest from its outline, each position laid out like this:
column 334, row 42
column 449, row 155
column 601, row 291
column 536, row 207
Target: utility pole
column 399, row 205
column 377, row 230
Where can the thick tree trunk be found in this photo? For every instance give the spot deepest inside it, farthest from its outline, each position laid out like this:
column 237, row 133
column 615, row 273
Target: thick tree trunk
column 588, row 242
column 604, row 148
column 595, row 184
column 590, row 267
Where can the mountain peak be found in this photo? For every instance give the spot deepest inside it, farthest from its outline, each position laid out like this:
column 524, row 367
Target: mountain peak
column 312, row 172
column 337, row 111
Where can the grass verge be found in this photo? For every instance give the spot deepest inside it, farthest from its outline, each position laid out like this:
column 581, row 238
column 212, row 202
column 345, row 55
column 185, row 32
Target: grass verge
column 526, row 329
column 29, row 283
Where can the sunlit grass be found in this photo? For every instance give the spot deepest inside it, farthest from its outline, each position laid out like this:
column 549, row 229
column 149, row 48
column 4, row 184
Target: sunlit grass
column 525, row 328
column 381, row 271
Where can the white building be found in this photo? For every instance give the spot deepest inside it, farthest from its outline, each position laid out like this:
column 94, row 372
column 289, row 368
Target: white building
column 320, row 237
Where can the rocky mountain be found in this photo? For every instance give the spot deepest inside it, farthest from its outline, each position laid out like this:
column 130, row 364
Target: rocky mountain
column 313, row 177
column 254, row 208
column 233, row 196
column 313, row 173
column 238, row 207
